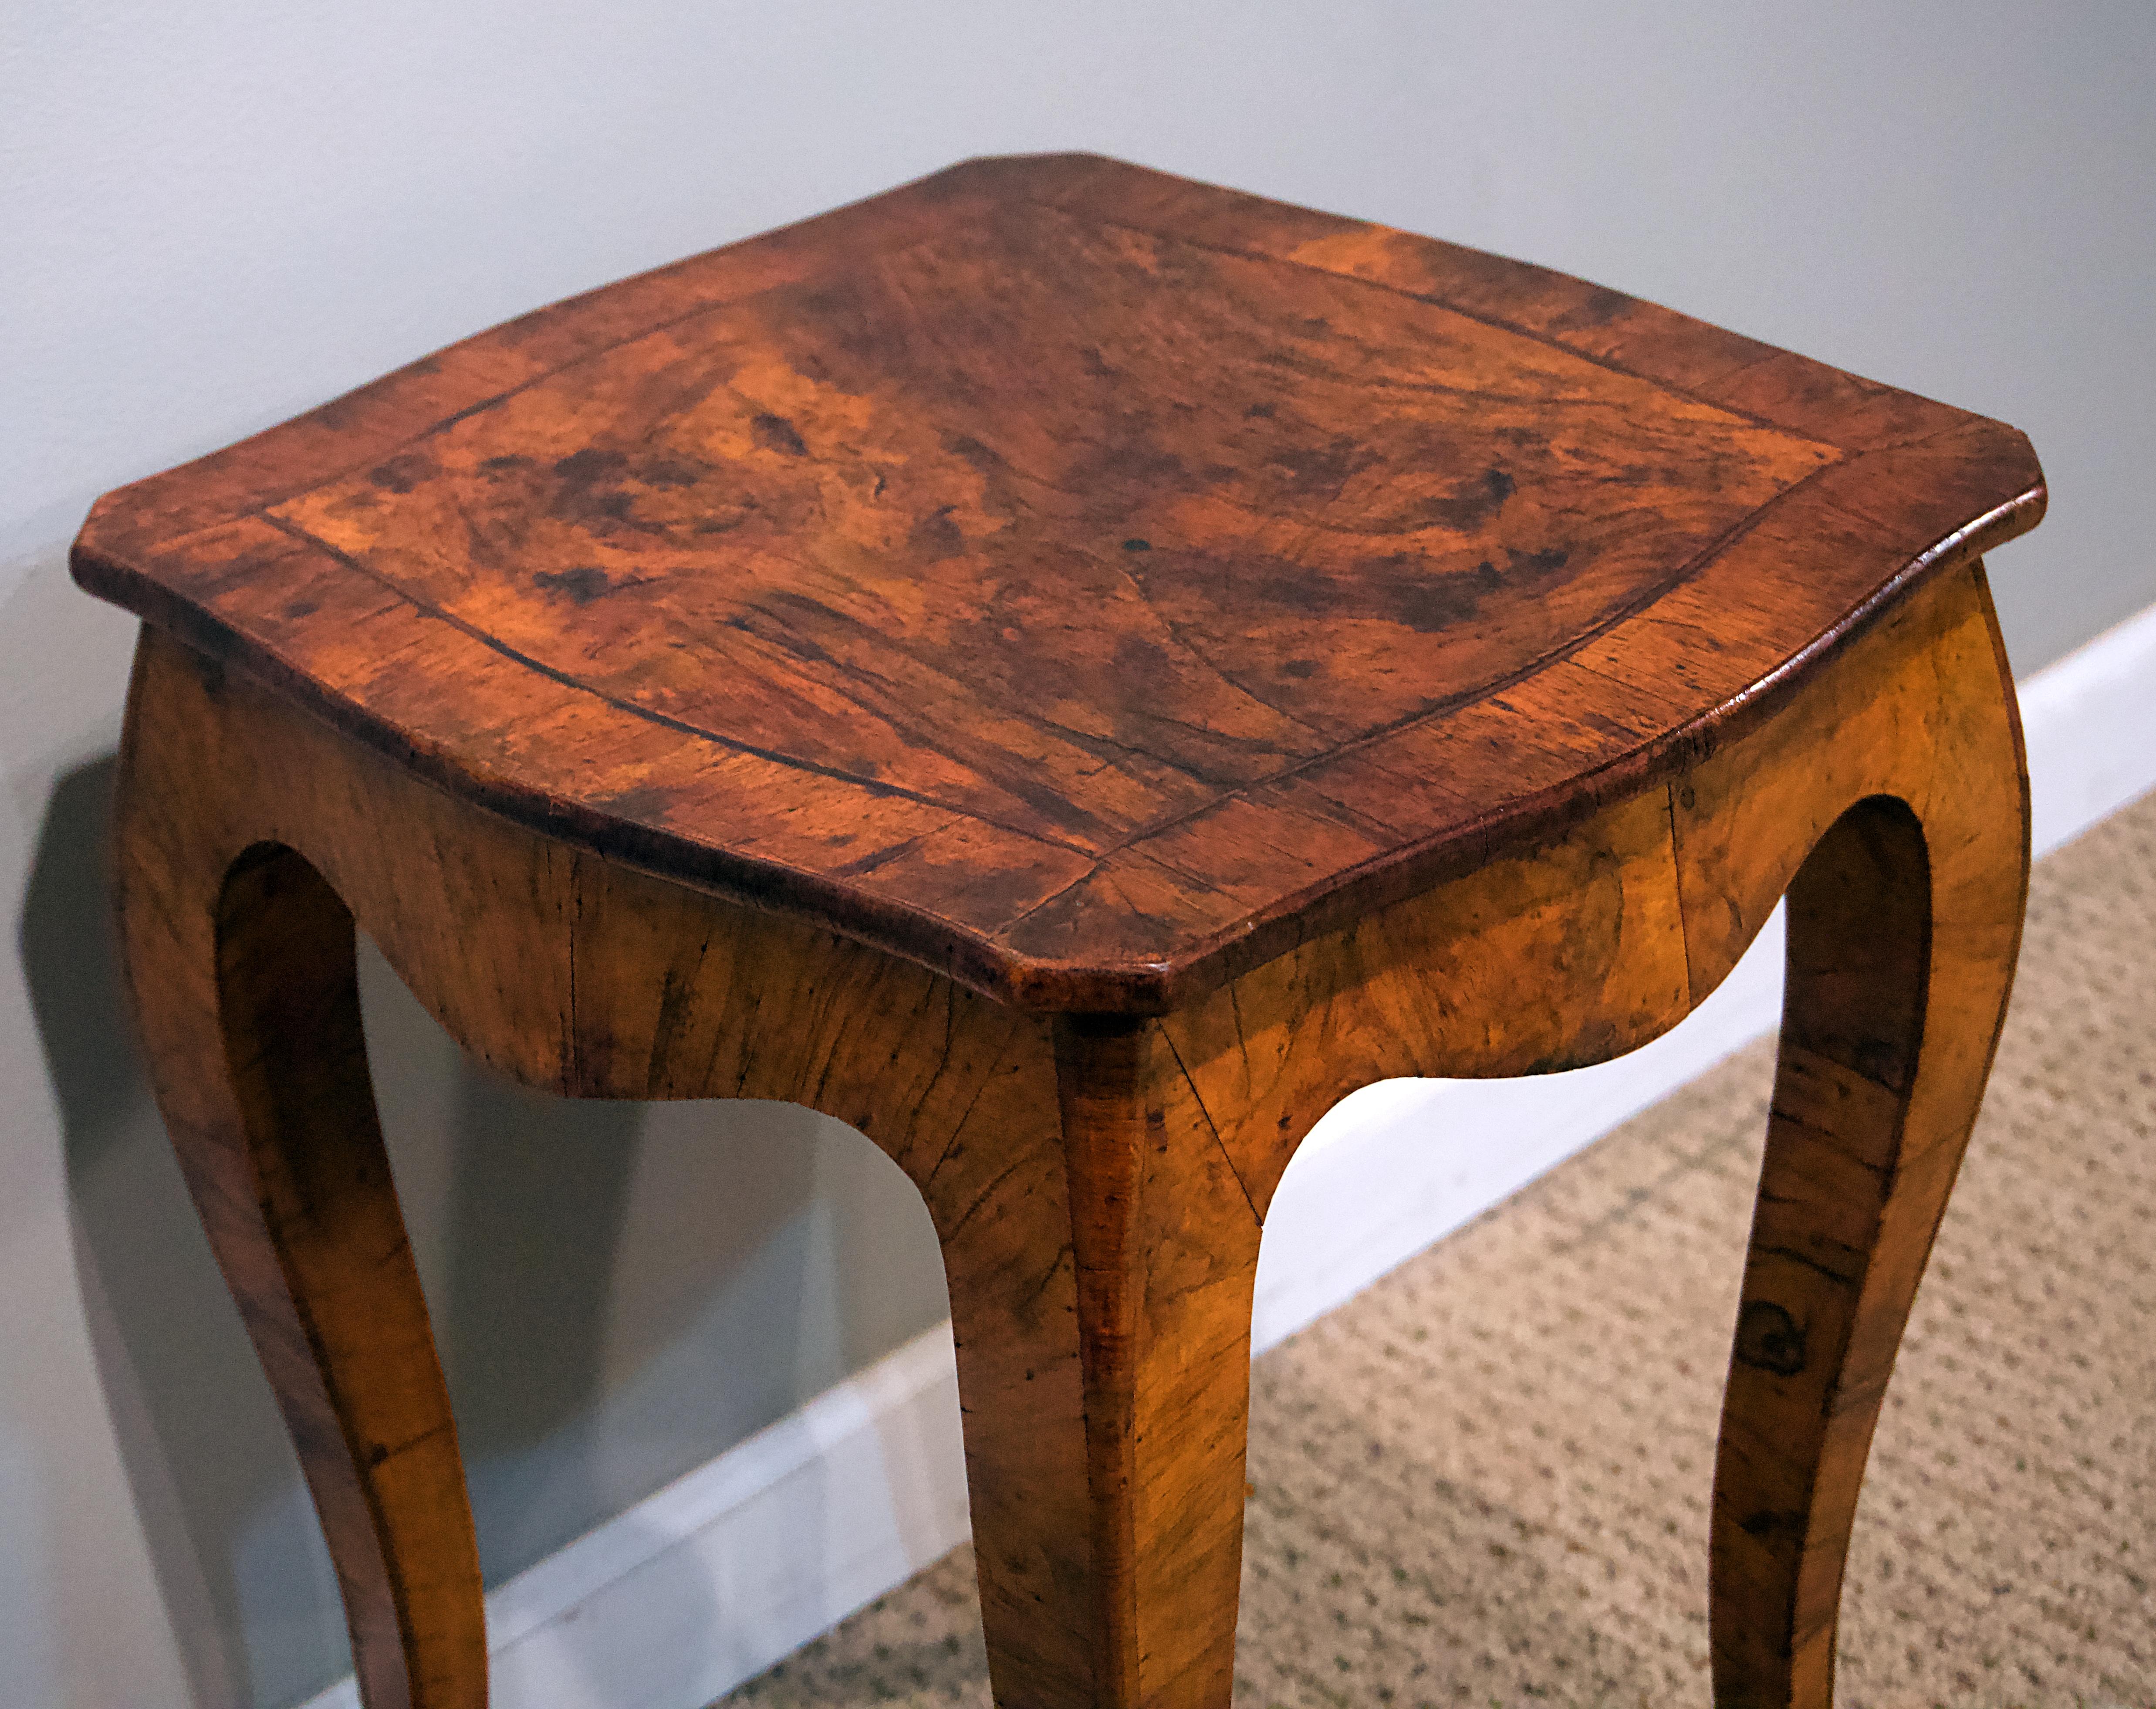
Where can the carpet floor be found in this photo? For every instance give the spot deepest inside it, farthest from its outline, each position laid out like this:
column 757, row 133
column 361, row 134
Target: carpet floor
column 1484, row 1480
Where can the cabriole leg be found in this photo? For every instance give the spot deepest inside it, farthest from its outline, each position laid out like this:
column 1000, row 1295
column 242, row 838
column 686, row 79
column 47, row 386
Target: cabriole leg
column 1902, row 945
column 240, row 968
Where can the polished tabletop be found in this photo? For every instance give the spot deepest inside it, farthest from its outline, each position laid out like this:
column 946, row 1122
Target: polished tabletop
column 1079, row 579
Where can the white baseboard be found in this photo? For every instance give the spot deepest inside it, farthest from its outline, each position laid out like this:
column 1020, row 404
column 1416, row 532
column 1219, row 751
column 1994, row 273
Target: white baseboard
column 2090, row 722
column 718, row 1575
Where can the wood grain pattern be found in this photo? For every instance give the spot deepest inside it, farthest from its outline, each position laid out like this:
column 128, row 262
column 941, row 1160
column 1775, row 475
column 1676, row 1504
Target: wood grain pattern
column 1076, row 579
column 239, row 960
column 1072, row 671
column 1905, row 922
column 1890, row 801
column 594, row 980
column 1573, row 950
column 1098, row 1187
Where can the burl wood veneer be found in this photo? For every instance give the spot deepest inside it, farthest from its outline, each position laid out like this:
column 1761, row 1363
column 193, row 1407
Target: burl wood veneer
column 1072, row 671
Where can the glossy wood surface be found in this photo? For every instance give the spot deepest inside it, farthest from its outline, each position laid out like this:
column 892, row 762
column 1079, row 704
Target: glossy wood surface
column 1078, row 580
column 1098, row 1184
column 240, row 964
column 1071, row 672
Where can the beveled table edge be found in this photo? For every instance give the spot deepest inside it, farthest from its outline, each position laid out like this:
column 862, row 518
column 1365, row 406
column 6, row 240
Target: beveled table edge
column 1138, row 988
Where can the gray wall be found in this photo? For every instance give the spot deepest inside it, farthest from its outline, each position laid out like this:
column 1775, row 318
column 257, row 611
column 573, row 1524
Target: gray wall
column 216, row 214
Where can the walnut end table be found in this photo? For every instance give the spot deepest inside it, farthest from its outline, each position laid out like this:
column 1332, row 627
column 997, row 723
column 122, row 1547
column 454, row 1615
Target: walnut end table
column 1072, row 671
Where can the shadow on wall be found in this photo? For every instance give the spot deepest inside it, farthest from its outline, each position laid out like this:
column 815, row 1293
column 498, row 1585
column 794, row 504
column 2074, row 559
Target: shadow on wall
column 591, row 1268
column 204, row 1448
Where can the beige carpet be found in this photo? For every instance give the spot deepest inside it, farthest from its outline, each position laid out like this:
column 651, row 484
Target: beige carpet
column 1484, row 1480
